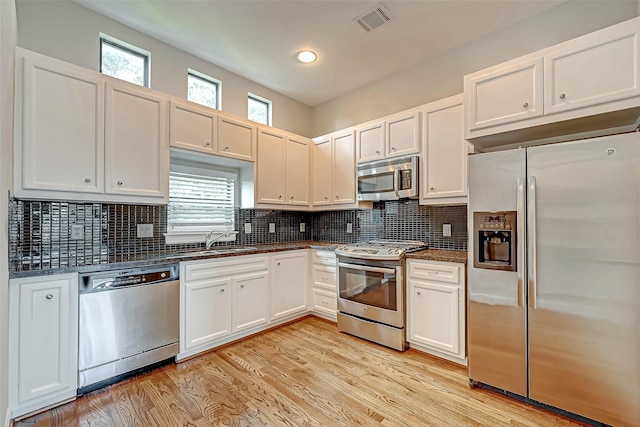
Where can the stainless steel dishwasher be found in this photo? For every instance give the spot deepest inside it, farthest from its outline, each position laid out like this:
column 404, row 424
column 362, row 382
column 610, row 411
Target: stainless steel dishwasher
column 129, row 322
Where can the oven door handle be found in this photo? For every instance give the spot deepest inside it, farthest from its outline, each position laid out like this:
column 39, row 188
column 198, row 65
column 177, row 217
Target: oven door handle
column 366, row 268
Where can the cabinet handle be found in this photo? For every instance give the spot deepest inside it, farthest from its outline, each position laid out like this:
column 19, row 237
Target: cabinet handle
column 119, row 182
column 563, row 96
column 49, row 296
column 87, row 180
column 525, row 105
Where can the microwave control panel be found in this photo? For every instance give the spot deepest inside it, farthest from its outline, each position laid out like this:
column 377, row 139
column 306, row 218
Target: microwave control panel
column 405, row 179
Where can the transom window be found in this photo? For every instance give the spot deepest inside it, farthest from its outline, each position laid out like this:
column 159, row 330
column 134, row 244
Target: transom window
column 124, row 61
column 203, row 89
column 259, row 109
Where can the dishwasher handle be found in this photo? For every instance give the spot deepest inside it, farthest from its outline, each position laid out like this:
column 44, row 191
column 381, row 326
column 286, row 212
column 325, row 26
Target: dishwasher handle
column 119, row 279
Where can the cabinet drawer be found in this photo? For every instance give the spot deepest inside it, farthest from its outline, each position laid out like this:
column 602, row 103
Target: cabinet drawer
column 434, row 272
column 325, row 301
column 324, row 277
column 324, row 258
column 199, row 270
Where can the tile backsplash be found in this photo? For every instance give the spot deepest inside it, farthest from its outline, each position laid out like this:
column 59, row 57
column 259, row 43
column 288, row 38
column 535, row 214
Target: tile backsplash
column 40, row 231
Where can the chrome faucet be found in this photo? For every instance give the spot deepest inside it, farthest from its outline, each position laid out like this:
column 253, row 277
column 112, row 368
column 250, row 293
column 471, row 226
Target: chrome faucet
column 210, row 240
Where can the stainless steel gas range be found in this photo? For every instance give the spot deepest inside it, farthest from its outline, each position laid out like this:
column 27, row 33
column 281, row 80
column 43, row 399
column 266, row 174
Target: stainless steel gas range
column 372, row 290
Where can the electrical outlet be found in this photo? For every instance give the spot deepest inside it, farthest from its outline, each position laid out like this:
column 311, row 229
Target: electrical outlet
column 145, row 230
column 446, row 230
column 77, row 232
column 303, row 227
column 272, row 227
column 247, row 228
column 349, row 227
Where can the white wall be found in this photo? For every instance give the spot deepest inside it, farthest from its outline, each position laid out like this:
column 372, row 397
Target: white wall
column 7, row 47
column 442, row 76
column 67, row 31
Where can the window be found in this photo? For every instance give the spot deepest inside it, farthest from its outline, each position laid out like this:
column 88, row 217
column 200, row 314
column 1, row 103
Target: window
column 201, row 200
column 203, row 89
column 259, row 109
column 124, row 61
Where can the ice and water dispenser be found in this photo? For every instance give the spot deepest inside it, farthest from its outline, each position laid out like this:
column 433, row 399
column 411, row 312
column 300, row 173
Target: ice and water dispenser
column 495, row 235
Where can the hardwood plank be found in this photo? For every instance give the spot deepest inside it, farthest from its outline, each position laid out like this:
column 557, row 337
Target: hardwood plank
column 302, row 374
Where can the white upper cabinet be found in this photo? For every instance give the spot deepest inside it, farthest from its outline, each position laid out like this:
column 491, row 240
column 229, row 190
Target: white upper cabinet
column 192, row 127
column 198, row 128
column 137, row 154
column 371, row 142
column 59, row 128
column 395, row 135
column 282, row 169
column 595, row 69
column 334, row 169
column 236, row 138
column 584, row 87
column 403, row 134
column 504, row 94
column 83, row 136
column 443, row 169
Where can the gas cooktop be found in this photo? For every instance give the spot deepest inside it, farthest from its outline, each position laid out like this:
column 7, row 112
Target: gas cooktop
column 380, row 249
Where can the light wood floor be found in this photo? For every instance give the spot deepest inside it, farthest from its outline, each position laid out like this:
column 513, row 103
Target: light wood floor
column 303, row 374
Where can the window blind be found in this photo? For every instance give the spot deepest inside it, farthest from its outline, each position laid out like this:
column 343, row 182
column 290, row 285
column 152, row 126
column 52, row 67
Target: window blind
column 200, row 202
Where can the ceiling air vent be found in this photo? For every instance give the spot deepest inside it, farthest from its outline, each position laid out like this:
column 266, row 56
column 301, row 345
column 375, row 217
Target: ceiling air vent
column 375, row 18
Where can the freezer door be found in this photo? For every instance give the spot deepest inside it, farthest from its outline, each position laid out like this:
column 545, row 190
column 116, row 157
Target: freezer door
column 496, row 298
column 584, row 277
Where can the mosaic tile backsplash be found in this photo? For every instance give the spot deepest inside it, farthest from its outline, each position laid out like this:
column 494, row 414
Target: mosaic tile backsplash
column 40, row 232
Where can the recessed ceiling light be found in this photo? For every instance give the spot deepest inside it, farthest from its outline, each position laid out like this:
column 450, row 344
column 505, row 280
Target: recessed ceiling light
column 307, row 56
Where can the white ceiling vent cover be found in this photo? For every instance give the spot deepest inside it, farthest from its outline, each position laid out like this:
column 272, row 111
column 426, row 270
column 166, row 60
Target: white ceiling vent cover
column 375, row 18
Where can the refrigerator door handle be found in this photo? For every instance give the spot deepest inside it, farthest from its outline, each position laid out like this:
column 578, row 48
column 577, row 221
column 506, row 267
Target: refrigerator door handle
column 531, row 243
column 520, row 238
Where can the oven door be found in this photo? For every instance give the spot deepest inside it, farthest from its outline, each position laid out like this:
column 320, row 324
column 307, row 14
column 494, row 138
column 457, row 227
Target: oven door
column 372, row 290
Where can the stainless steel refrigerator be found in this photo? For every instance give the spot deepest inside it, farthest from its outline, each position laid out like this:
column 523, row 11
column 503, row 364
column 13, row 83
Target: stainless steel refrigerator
column 554, row 275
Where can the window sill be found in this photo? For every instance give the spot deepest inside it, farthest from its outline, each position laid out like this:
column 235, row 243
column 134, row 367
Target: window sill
column 178, row 237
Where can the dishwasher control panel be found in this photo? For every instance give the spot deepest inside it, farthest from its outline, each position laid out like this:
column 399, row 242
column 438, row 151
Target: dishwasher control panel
column 128, row 277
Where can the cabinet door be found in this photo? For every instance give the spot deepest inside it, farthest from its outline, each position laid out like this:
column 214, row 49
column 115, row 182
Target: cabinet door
column 504, row 94
column 137, row 155
column 192, row 127
column 236, row 139
column 270, row 167
column 435, row 315
column 594, row 69
column 445, row 152
column 60, row 128
column 298, row 155
column 47, row 341
column 250, row 300
column 344, row 169
column 403, row 134
column 288, row 284
column 370, row 142
column 323, row 173
column 207, row 311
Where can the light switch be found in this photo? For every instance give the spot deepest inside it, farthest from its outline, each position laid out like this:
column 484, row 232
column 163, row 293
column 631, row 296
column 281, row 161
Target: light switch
column 145, row 230
column 247, row 228
column 349, row 227
column 272, row 227
column 446, row 230
column 303, row 227
column 77, row 232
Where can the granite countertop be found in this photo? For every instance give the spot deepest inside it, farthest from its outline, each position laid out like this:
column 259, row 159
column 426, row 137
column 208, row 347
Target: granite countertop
column 160, row 258
column 443, row 255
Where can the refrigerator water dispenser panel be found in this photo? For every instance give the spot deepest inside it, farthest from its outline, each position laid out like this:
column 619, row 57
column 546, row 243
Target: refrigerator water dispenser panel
column 496, row 239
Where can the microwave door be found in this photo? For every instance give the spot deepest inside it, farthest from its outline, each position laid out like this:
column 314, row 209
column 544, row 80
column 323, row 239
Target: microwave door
column 377, row 186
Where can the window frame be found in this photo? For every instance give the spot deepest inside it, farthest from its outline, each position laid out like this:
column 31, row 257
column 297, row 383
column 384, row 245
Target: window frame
column 208, row 79
column 131, row 49
column 195, row 234
column 264, row 101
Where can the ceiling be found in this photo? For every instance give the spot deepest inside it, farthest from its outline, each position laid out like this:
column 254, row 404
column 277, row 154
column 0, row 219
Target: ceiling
column 259, row 39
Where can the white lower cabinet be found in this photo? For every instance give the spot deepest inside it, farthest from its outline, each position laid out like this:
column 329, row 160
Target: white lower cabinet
column 436, row 308
column 288, row 284
column 221, row 300
column 323, row 283
column 43, row 342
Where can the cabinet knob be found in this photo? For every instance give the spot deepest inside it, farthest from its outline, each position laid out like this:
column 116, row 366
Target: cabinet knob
column 207, row 144
column 241, row 286
column 226, row 148
column 326, row 198
column 222, row 290
column 119, row 182
column 49, row 296
column 87, row 180
column 291, row 197
column 431, row 188
column 525, row 105
column 280, row 197
column 278, row 264
column 377, row 151
column 419, row 293
column 336, row 197
column 393, row 148
column 563, row 96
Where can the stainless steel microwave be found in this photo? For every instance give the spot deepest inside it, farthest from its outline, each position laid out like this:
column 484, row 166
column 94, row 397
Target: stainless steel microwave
column 390, row 179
